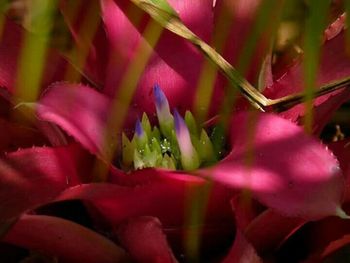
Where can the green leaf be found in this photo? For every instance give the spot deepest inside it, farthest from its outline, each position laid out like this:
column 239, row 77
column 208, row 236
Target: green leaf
column 146, row 124
column 128, row 149
column 314, row 27
column 164, row 5
column 191, row 123
column 218, row 140
column 168, row 162
column 206, row 148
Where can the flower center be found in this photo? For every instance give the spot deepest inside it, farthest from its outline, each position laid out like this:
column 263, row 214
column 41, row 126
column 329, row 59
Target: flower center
column 178, row 143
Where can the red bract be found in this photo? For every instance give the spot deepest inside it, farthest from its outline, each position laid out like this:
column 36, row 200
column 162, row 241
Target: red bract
column 312, row 188
column 67, row 241
column 55, row 65
column 145, row 241
column 334, row 65
column 125, row 28
column 272, row 158
column 33, row 176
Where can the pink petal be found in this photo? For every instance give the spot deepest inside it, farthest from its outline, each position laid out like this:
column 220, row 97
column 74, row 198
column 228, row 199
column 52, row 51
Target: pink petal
column 334, row 65
column 159, row 193
column 14, row 136
column 196, row 15
column 269, row 230
column 175, row 65
column 341, row 150
column 242, row 251
column 265, row 231
column 81, row 111
column 68, row 241
column 245, row 210
column 335, row 28
column 324, row 111
column 145, row 241
column 291, row 172
column 327, row 236
column 34, row 176
column 336, row 245
column 77, row 14
column 10, row 50
column 10, row 44
column 240, row 21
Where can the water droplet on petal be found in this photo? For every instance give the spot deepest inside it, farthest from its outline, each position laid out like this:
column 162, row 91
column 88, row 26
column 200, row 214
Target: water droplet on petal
column 335, row 169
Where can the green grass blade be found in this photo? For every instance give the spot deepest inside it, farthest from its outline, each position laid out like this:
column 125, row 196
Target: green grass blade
column 314, row 26
column 174, row 24
column 34, row 49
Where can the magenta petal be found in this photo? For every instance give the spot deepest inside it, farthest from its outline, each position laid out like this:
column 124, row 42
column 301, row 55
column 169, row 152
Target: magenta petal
column 291, row 172
column 34, row 176
column 10, row 46
column 88, row 46
column 334, row 246
column 162, row 194
column 269, row 230
column 159, row 193
column 242, row 251
column 240, row 20
column 245, row 210
column 335, row 28
column 324, row 111
column 197, row 15
column 81, row 111
column 326, row 237
column 145, row 241
column 14, row 136
column 334, row 65
column 175, row 76
column 341, row 150
column 67, row 241
column 11, row 39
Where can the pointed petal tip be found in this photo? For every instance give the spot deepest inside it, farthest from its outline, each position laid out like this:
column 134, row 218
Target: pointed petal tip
column 179, row 122
column 138, row 128
column 159, row 96
column 30, row 105
column 189, row 156
column 341, row 213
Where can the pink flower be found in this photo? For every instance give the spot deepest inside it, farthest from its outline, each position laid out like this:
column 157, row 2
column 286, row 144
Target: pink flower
column 291, row 172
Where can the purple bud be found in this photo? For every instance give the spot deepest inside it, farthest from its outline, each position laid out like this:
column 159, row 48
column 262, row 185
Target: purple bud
column 159, row 96
column 182, row 134
column 189, row 156
column 162, row 104
column 138, row 129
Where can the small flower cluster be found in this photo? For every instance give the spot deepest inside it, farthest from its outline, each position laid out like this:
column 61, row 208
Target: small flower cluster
column 178, row 143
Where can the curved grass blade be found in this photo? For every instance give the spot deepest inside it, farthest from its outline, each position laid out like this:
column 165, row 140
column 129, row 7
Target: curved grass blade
column 34, row 49
column 164, row 5
column 123, row 98
column 287, row 102
column 172, row 22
